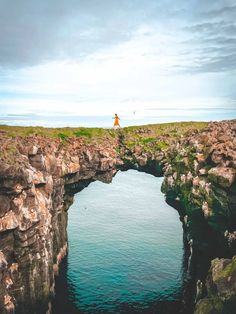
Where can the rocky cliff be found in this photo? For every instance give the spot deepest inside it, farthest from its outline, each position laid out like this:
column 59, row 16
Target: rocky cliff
column 199, row 169
column 221, row 288
column 40, row 173
column 200, row 181
column 37, row 183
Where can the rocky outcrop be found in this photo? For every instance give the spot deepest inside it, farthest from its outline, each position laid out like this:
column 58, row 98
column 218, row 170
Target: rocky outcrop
column 221, row 288
column 199, row 171
column 39, row 176
column 36, row 189
column 200, row 182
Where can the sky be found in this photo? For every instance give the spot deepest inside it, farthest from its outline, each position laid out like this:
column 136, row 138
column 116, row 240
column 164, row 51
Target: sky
column 97, row 57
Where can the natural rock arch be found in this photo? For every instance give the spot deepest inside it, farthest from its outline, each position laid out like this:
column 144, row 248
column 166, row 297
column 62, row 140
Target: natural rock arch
column 39, row 178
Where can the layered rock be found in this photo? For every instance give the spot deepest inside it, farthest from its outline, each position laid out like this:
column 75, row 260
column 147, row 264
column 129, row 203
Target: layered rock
column 36, row 190
column 221, row 288
column 39, row 176
column 200, row 181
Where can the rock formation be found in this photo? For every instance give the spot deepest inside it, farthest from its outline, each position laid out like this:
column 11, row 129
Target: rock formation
column 39, row 176
column 200, row 181
column 36, row 189
column 221, row 288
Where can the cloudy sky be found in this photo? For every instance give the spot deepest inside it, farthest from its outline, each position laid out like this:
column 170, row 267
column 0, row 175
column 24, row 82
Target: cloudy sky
column 104, row 56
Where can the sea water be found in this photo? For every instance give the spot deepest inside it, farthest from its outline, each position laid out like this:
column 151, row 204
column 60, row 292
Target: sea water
column 125, row 250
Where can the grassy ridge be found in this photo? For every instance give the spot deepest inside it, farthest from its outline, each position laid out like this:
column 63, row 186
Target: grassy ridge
column 133, row 134
column 155, row 136
column 62, row 133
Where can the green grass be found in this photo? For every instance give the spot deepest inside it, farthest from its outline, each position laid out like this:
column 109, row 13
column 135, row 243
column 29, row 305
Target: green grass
column 63, row 136
column 161, row 145
column 147, row 140
column 133, row 135
column 153, row 136
column 62, row 133
column 173, row 127
column 83, row 132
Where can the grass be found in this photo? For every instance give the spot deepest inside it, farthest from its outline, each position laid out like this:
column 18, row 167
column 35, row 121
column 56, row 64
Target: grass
column 173, row 127
column 153, row 135
column 62, row 133
column 63, row 136
column 144, row 135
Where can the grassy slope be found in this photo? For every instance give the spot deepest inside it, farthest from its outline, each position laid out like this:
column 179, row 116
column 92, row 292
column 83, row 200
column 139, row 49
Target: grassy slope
column 63, row 133
column 174, row 129
column 157, row 136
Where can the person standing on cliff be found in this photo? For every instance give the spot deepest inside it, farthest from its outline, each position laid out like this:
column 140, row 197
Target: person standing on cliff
column 116, row 122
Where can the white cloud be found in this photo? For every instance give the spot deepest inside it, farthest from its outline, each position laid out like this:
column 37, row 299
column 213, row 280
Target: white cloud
column 116, row 57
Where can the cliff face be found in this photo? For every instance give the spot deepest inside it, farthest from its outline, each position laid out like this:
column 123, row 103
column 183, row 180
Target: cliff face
column 221, row 287
column 199, row 171
column 39, row 176
column 35, row 194
column 200, row 181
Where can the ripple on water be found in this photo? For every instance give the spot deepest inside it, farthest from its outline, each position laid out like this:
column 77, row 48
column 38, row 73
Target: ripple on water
column 125, row 250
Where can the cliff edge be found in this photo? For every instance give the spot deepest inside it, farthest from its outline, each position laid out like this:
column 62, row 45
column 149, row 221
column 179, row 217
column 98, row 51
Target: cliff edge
column 41, row 169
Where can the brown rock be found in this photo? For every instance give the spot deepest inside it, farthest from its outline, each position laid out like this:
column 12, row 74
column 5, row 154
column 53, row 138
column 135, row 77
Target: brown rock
column 142, row 160
column 223, row 176
column 9, row 221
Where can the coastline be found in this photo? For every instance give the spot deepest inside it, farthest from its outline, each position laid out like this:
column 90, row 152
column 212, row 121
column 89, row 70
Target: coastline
column 42, row 168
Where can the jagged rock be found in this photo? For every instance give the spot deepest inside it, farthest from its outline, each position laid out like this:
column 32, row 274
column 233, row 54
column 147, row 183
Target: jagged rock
column 5, row 203
column 9, row 221
column 38, row 162
column 142, row 160
column 37, row 187
column 3, row 262
column 223, row 176
column 209, row 306
column 33, row 150
column 223, row 276
column 206, row 210
column 14, row 179
column 221, row 287
column 138, row 149
column 202, row 171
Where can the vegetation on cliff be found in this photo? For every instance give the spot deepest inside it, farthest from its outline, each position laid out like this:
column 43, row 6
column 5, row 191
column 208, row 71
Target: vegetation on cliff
column 221, row 287
column 42, row 168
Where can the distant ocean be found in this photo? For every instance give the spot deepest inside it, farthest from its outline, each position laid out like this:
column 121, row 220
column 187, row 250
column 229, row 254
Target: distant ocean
column 139, row 118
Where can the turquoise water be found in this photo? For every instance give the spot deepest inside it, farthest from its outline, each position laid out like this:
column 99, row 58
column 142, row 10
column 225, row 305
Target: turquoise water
column 125, row 250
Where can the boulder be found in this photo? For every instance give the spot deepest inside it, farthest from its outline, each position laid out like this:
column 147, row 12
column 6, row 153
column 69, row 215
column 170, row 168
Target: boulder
column 9, row 221
column 33, row 150
column 223, row 176
column 142, row 160
column 221, row 288
column 223, row 276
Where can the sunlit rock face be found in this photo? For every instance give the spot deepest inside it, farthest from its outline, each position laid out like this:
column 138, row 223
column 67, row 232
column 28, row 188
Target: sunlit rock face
column 39, row 177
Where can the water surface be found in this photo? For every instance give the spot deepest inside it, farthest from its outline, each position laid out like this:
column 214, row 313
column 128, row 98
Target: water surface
column 125, row 250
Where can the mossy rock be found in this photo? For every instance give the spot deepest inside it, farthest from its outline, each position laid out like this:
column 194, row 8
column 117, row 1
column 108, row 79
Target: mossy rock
column 224, row 270
column 209, row 306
